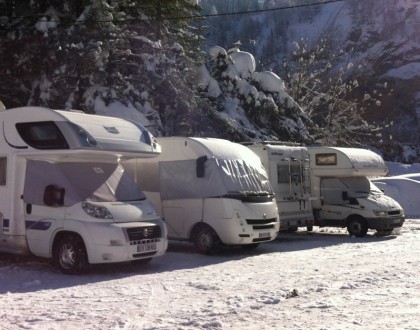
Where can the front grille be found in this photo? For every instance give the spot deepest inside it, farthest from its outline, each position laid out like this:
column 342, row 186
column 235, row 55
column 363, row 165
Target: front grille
column 147, row 232
column 260, row 221
column 263, row 227
column 396, row 212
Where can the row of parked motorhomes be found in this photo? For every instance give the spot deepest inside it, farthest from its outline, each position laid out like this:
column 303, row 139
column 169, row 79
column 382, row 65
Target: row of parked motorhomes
column 83, row 189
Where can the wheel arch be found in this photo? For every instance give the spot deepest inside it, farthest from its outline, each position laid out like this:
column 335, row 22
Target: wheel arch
column 59, row 236
column 357, row 225
column 196, row 226
column 353, row 216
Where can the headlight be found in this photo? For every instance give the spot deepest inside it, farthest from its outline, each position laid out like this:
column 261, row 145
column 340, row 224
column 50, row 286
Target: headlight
column 380, row 213
column 96, row 211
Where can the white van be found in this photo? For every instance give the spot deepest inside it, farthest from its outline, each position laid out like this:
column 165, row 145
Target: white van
column 345, row 197
column 210, row 192
column 64, row 194
column 287, row 165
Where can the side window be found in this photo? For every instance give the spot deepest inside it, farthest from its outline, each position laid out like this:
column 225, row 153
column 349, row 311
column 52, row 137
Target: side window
column 3, row 170
column 42, row 135
column 288, row 173
column 326, row 159
column 282, row 173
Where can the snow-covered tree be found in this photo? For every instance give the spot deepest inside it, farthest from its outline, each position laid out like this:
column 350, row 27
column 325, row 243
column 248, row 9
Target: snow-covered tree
column 334, row 101
column 89, row 54
column 255, row 102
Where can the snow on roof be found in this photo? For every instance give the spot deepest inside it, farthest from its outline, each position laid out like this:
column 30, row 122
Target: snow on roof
column 362, row 158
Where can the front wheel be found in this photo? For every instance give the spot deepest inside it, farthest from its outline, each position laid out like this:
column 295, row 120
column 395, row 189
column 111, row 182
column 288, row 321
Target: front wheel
column 206, row 240
column 70, row 255
column 357, row 226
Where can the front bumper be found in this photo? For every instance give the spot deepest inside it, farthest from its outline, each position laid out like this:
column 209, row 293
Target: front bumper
column 385, row 223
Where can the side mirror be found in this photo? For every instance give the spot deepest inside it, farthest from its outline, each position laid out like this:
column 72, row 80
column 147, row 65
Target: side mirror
column 54, row 195
column 200, row 166
column 344, row 196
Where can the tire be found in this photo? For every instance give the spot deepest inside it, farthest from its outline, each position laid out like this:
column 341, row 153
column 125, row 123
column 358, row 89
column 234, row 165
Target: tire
column 206, row 240
column 357, row 226
column 70, row 255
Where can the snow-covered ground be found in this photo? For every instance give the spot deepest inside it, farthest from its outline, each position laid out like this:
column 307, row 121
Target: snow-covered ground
column 320, row 280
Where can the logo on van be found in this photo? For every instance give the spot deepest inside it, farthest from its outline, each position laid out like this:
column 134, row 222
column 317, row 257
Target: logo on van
column 112, row 129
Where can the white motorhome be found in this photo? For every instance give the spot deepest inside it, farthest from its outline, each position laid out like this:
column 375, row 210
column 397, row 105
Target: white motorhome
column 64, row 194
column 287, row 165
column 344, row 195
column 210, row 192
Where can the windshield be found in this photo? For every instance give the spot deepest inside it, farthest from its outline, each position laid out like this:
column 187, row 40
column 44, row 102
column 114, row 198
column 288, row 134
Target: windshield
column 374, row 190
column 355, row 187
column 240, row 177
column 98, row 182
column 178, row 179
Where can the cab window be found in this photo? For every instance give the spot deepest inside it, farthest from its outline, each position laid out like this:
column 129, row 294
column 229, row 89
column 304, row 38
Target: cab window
column 42, row 135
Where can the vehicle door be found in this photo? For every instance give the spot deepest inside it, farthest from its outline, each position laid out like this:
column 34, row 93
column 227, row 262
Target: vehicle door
column 41, row 221
column 334, row 209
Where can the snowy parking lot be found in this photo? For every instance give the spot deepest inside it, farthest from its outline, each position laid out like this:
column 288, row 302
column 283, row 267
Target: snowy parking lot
column 320, row 280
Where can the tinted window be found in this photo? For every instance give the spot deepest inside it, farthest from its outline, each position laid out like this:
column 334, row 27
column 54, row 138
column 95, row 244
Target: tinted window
column 42, row 135
column 326, row 159
column 3, row 170
column 288, row 173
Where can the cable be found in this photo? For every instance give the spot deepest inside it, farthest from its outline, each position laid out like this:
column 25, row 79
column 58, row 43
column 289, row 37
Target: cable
column 182, row 17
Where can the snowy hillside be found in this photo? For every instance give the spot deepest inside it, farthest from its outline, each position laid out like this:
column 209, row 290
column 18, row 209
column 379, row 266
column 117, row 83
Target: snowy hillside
column 375, row 42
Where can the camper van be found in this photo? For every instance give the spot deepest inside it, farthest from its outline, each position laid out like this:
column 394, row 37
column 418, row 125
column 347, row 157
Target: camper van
column 287, row 165
column 211, row 192
column 64, row 194
column 345, row 197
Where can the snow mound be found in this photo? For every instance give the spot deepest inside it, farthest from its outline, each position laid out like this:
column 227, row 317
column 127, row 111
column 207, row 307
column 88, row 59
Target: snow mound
column 244, row 63
column 269, row 81
column 217, row 51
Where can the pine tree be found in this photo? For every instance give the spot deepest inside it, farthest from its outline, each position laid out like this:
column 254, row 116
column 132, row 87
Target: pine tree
column 85, row 53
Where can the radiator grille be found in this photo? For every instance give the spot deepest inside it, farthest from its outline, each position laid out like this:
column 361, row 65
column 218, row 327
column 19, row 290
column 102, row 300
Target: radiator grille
column 395, row 212
column 260, row 221
column 140, row 233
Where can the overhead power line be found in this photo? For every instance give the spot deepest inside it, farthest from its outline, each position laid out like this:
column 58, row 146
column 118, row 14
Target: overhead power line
column 248, row 12
column 267, row 9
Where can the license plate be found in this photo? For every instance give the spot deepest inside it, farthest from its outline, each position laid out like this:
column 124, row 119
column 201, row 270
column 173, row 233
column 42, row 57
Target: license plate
column 147, row 247
column 264, row 235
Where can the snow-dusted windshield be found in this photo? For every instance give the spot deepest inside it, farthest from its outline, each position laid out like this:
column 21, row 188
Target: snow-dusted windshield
column 239, row 176
column 374, row 189
column 100, row 182
column 178, row 179
column 357, row 186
